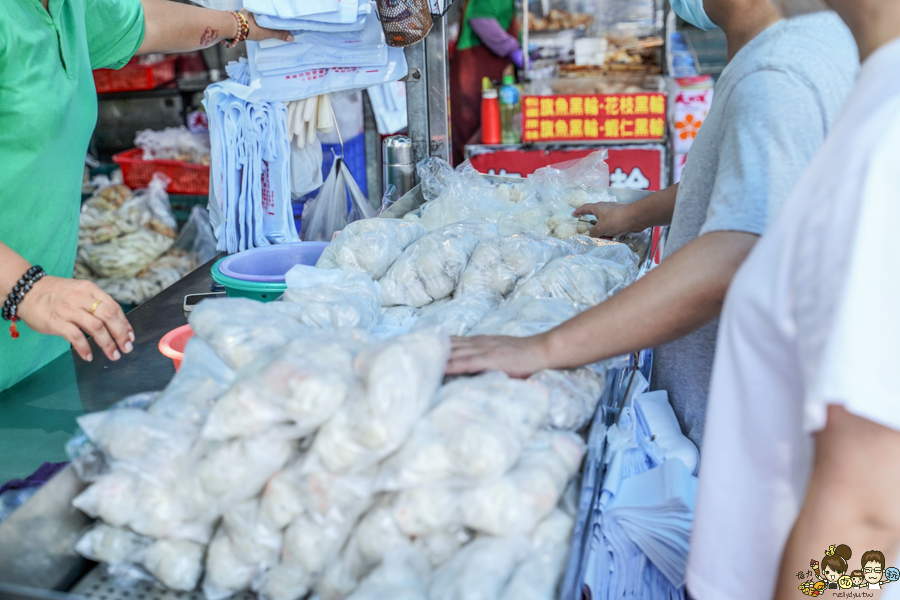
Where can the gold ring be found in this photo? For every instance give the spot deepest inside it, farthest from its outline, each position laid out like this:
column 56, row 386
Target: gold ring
column 94, row 307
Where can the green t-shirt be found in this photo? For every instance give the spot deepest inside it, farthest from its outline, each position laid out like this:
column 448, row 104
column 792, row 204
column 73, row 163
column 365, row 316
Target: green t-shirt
column 48, row 111
column 501, row 10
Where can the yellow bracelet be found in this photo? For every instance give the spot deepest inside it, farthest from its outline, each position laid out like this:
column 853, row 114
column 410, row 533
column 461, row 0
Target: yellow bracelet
column 243, row 30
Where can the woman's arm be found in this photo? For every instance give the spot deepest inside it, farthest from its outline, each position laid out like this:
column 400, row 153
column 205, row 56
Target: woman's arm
column 172, row 27
column 851, row 499
column 58, row 306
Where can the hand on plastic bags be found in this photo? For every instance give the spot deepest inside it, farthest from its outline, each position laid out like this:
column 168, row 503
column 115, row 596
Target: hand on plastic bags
column 328, row 212
column 400, row 379
column 475, row 433
column 430, row 268
column 370, row 245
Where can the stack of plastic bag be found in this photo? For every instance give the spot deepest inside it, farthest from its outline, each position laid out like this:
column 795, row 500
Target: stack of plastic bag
column 640, row 527
column 337, row 46
column 250, row 187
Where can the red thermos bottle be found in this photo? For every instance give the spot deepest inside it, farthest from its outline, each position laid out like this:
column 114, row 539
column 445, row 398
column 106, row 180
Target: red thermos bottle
column 490, row 114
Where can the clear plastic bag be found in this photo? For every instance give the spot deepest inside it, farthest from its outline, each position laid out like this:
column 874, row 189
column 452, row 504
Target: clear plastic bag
column 573, row 183
column 524, row 316
column 177, row 564
column 400, row 379
column 402, row 575
column 289, row 394
column 201, row 380
column 243, row 548
column 477, row 431
column 242, row 330
column 331, row 299
column 174, row 143
column 585, row 280
column 328, row 212
column 574, row 395
column 497, row 264
column 518, row 501
column 112, row 545
column 457, row 316
column 147, row 228
column 370, row 245
column 538, row 576
column 480, row 570
column 394, row 321
column 430, row 268
column 306, row 168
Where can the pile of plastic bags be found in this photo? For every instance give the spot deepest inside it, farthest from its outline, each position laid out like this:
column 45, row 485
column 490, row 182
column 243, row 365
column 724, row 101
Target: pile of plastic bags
column 250, row 178
column 337, row 46
column 174, row 143
column 313, row 446
column 128, row 243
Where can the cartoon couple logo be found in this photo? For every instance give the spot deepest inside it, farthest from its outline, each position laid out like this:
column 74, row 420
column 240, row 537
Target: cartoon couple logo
column 832, row 572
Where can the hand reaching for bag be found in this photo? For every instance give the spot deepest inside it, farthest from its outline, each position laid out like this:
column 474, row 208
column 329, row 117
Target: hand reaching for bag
column 70, row 308
column 612, row 218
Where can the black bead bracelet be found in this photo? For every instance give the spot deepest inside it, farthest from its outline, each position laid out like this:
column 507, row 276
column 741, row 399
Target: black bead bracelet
column 22, row 287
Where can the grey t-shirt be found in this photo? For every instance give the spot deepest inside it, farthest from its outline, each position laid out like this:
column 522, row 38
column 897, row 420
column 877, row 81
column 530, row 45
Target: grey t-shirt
column 773, row 105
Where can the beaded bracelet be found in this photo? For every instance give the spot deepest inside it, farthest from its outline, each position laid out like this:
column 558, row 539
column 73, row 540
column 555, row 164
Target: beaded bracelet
column 22, row 287
column 243, row 30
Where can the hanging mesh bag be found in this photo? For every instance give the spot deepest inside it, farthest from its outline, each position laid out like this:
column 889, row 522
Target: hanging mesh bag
column 405, row 22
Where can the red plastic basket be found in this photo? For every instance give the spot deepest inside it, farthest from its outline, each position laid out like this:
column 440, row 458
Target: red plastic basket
column 186, row 178
column 134, row 77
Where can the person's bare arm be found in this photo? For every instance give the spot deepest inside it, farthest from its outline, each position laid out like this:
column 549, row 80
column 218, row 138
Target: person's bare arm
column 613, row 218
column 851, row 498
column 58, row 306
column 683, row 293
column 171, row 27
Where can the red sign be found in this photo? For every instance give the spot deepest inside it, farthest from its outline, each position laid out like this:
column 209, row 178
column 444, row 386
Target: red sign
column 633, row 167
column 606, row 117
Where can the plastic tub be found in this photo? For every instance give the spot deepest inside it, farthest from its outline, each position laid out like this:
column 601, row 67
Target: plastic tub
column 258, row 274
column 172, row 344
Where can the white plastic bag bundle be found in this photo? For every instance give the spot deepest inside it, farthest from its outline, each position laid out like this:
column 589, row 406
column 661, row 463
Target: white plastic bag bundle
column 331, row 299
column 290, row 395
column 243, row 548
column 196, row 386
column 524, row 316
column 174, row 143
column 238, row 469
column 457, row 316
column 583, row 279
column 430, row 268
column 394, row 321
column 499, row 263
column 573, row 183
column 403, row 575
column 475, row 433
column 574, row 395
column 328, row 212
column 428, row 510
column 112, row 545
column 480, row 571
column 518, row 501
column 370, row 245
column 177, row 564
column 538, row 576
column 400, row 379
column 242, row 330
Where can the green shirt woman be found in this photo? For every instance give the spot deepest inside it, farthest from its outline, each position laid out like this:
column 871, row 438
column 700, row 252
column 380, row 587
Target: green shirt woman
column 48, row 110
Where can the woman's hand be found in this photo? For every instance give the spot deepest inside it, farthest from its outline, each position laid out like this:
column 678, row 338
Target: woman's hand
column 57, row 306
column 257, row 33
column 612, row 218
column 517, row 357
